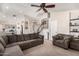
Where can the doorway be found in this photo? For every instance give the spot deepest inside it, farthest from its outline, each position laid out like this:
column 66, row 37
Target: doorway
column 52, row 28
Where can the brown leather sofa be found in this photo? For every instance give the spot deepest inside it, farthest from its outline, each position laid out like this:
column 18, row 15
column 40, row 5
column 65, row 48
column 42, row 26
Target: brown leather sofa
column 74, row 44
column 62, row 40
column 13, row 45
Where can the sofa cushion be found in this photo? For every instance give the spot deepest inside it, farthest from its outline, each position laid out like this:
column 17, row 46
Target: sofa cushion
column 59, row 41
column 12, row 38
column 1, row 49
column 18, row 43
column 13, row 51
column 75, row 41
column 27, row 37
column 20, row 38
column 34, row 35
column 59, row 36
column 2, row 41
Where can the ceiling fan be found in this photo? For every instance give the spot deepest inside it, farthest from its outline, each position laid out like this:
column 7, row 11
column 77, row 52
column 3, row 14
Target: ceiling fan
column 43, row 6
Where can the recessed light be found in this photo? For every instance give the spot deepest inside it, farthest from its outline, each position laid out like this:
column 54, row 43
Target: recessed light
column 14, row 17
column 7, row 7
column 3, row 16
column 20, row 11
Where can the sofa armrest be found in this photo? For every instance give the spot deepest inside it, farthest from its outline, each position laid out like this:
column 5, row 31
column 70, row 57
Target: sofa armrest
column 13, row 51
column 66, row 42
column 41, row 36
column 68, row 38
column 55, row 38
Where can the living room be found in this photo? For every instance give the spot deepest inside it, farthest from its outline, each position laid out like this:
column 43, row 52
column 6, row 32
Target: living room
column 30, row 29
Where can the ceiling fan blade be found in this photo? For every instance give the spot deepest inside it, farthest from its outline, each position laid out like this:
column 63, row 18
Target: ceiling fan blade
column 45, row 10
column 35, row 5
column 38, row 9
column 50, row 6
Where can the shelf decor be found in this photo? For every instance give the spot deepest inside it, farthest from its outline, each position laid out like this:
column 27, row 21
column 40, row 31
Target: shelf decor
column 74, row 24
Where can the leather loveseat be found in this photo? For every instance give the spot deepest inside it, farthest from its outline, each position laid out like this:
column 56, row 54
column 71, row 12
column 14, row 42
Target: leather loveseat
column 62, row 40
column 74, row 43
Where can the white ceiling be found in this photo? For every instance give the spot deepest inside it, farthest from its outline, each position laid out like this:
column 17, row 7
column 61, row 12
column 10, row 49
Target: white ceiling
column 20, row 9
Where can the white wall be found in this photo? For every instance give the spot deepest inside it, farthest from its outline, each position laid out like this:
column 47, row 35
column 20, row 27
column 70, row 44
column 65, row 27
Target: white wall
column 62, row 19
column 1, row 27
column 58, row 23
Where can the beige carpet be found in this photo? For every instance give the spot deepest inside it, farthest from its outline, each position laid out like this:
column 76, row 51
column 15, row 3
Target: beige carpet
column 47, row 49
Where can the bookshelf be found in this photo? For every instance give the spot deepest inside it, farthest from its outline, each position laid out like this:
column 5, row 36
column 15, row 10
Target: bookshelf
column 74, row 25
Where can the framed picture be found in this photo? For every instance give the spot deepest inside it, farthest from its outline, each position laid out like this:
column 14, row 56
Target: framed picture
column 46, row 23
